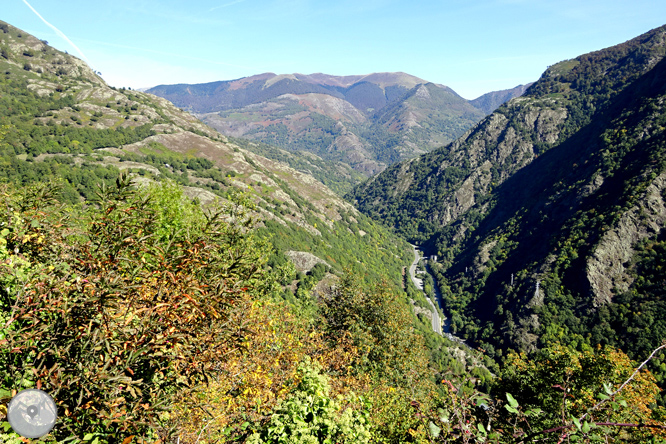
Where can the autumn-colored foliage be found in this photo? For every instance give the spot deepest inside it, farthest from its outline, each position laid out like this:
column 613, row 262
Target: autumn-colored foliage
column 561, row 386
column 115, row 309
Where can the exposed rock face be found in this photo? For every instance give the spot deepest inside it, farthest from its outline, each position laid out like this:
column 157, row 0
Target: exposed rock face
column 607, row 267
column 493, row 151
column 422, row 93
column 420, row 311
column 304, row 261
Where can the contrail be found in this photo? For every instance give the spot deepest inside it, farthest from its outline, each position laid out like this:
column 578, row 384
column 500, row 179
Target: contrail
column 59, row 32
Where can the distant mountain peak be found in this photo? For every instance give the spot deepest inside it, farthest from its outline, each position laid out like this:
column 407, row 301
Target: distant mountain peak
column 242, row 82
column 368, row 121
column 489, row 102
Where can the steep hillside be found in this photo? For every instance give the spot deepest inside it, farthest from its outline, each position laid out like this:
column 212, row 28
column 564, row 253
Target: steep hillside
column 146, row 304
column 146, row 248
column 428, row 112
column 58, row 119
column 366, row 122
column 549, row 214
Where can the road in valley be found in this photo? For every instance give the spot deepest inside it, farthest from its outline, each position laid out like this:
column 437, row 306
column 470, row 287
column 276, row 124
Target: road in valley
column 436, row 320
column 442, row 328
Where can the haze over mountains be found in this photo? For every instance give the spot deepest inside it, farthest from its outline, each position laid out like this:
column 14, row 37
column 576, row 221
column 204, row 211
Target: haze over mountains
column 366, row 121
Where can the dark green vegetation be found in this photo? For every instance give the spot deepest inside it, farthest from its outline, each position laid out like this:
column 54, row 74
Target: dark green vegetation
column 548, row 217
column 366, row 122
column 139, row 314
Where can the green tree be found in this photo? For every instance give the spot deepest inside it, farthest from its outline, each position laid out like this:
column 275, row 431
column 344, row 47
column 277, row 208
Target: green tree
column 558, row 388
column 380, row 326
column 310, row 415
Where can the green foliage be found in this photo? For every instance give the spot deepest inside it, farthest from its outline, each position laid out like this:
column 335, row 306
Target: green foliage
column 20, row 109
column 375, row 254
column 76, row 182
column 340, row 179
column 308, row 282
column 582, row 396
column 639, row 313
column 380, row 327
column 310, row 416
column 542, row 215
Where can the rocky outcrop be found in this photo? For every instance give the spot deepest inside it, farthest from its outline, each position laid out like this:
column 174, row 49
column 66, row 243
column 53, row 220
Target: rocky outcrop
column 492, row 152
column 542, row 209
column 304, row 261
column 607, row 268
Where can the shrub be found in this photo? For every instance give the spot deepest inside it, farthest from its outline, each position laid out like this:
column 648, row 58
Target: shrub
column 310, row 416
column 115, row 310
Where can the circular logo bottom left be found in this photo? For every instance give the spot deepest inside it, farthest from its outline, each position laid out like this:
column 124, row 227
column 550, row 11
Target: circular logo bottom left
column 32, row 413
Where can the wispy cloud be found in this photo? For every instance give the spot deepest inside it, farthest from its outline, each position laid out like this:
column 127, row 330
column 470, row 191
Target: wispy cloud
column 227, row 5
column 59, row 32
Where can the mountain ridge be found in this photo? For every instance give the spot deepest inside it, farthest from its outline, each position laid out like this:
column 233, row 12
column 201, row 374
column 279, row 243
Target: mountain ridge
column 489, row 102
column 388, row 123
column 174, row 312
column 332, row 84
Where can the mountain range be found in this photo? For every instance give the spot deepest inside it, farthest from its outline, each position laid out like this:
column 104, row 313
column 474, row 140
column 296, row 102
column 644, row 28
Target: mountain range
column 503, row 203
column 366, row 121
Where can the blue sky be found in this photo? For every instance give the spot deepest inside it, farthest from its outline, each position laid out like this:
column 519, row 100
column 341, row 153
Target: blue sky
column 472, row 46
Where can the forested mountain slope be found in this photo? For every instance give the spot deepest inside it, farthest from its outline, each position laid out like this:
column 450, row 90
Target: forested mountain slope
column 60, row 120
column 179, row 270
column 549, row 215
